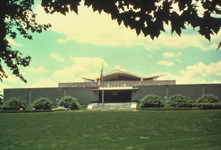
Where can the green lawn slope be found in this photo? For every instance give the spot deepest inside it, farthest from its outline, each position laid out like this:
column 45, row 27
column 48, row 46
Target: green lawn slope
column 97, row 130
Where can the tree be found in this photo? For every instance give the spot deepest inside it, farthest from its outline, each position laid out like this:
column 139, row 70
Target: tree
column 1, row 99
column 16, row 16
column 145, row 16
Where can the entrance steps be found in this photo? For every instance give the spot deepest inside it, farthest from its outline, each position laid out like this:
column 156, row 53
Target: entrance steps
column 113, row 106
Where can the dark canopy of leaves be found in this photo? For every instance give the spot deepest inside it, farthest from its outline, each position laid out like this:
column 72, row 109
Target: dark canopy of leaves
column 145, row 16
column 16, row 15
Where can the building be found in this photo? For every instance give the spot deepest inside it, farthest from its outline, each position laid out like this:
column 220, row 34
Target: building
column 118, row 87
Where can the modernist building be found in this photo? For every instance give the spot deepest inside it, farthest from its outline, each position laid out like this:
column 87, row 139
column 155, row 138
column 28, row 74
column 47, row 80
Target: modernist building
column 118, row 86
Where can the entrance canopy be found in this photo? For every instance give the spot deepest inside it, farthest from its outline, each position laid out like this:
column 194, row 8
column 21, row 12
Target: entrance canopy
column 117, row 88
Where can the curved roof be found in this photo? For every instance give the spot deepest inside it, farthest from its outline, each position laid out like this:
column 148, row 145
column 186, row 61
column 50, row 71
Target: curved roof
column 119, row 75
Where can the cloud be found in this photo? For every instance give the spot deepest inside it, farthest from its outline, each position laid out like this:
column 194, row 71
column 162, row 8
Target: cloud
column 217, row 81
column 36, row 70
column 12, row 78
column 94, row 62
column 48, row 82
column 98, row 29
column 202, row 70
column 118, row 67
column 57, row 57
column 61, row 41
column 197, row 73
column 170, row 54
column 13, row 43
column 163, row 62
column 88, row 67
column 3, row 86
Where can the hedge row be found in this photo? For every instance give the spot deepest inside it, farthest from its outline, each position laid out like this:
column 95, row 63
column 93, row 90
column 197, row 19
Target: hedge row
column 208, row 101
column 209, row 105
column 42, row 103
column 10, row 108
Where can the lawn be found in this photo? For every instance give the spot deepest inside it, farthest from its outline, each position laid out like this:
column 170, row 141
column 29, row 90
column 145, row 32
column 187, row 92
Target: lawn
column 183, row 129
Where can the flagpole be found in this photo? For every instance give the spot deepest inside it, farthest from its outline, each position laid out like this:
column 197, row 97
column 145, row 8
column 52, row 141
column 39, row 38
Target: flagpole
column 102, row 99
column 102, row 83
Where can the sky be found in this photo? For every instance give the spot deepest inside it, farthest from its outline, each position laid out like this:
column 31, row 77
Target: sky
column 77, row 46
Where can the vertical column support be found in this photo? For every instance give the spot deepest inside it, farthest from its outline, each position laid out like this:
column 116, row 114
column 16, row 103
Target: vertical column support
column 102, row 98
column 65, row 91
column 29, row 96
column 203, row 89
column 167, row 95
column 102, row 92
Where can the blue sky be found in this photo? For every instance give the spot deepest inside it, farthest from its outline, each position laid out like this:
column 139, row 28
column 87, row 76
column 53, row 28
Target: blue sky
column 77, row 45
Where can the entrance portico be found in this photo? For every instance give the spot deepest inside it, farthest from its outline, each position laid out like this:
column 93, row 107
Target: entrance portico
column 116, row 94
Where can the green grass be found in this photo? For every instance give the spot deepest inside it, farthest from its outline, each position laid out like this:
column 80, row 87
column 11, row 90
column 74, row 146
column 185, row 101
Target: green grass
column 183, row 129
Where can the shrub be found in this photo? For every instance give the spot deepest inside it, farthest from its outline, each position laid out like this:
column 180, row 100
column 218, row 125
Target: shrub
column 16, row 102
column 1, row 99
column 10, row 108
column 209, row 105
column 208, row 98
column 151, row 100
column 69, row 102
column 42, row 103
column 179, row 101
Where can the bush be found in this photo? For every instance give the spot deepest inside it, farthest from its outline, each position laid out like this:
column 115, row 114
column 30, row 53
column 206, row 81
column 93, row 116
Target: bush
column 10, row 108
column 208, row 98
column 1, row 99
column 16, row 102
column 151, row 100
column 42, row 103
column 209, row 105
column 180, row 101
column 69, row 102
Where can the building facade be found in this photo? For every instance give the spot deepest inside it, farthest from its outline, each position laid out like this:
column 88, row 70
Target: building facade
column 118, row 86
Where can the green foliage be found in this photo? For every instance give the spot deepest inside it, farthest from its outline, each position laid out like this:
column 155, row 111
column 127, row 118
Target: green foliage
column 42, row 103
column 16, row 17
column 1, row 98
column 69, row 102
column 16, row 102
column 152, row 14
column 179, row 101
column 209, row 105
column 10, row 108
column 208, row 98
column 151, row 100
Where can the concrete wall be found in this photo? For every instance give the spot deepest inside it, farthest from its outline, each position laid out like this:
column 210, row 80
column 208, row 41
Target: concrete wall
column 213, row 89
column 194, row 91
column 54, row 94
column 21, row 93
column 84, row 95
column 145, row 90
